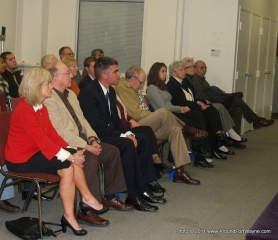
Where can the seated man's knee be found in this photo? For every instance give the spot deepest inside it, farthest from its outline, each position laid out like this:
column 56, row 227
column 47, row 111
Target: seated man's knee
column 163, row 111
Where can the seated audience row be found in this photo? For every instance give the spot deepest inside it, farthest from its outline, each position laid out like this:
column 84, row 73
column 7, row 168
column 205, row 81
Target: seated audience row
column 115, row 128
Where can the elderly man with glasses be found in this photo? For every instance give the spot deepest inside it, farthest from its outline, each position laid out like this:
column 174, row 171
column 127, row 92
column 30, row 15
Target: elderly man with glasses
column 165, row 125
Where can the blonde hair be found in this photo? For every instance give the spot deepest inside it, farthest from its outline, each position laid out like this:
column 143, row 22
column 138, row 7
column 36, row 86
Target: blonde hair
column 69, row 61
column 31, row 85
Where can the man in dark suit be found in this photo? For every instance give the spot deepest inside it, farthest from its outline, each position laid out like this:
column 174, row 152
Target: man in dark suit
column 98, row 103
column 11, row 75
column 89, row 64
column 237, row 107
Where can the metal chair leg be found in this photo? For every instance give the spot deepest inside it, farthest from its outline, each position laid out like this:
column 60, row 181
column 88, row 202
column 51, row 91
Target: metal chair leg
column 29, row 197
column 38, row 187
column 101, row 179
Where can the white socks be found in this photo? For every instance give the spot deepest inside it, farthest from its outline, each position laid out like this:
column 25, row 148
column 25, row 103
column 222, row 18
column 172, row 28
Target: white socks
column 234, row 135
column 223, row 149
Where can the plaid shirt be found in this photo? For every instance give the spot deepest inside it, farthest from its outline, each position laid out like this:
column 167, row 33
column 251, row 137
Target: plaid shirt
column 4, row 88
column 142, row 102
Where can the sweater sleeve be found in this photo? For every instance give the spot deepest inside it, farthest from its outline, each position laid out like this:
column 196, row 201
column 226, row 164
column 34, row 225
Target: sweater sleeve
column 159, row 99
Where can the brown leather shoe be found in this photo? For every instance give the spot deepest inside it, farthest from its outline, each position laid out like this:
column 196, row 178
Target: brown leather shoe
column 183, row 177
column 194, row 133
column 262, row 122
column 91, row 219
column 8, row 207
column 117, row 204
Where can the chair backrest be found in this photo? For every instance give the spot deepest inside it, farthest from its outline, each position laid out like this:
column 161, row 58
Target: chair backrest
column 4, row 131
column 148, row 103
column 3, row 106
column 13, row 103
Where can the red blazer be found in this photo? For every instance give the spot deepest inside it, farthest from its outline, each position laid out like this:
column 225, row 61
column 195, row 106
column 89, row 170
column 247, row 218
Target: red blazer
column 31, row 132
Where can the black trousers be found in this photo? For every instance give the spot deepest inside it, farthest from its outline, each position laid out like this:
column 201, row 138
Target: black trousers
column 237, row 109
column 137, row 162
column 208, row 120
column 146, row 130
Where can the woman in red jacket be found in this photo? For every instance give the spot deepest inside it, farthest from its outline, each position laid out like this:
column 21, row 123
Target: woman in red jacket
column 34, row 146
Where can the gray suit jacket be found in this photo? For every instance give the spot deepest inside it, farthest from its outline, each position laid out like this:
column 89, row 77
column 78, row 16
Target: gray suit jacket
column 63, row 121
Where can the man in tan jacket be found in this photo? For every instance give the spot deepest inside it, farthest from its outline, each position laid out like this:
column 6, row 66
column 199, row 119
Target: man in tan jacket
column 67, row 118
column 164, row 124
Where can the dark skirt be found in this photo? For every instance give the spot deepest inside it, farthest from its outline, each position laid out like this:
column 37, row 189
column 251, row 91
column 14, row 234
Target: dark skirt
column 39, row 163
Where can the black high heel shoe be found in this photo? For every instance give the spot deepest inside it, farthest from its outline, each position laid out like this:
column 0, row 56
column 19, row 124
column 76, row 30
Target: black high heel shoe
column 229, row 152
column 65, row 224
column 85, row 207
column 217, row 155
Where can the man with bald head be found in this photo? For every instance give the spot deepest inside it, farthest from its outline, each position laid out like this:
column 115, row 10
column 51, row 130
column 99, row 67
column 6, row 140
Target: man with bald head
column 67, row 118
column 48, row 61
column 237, row 107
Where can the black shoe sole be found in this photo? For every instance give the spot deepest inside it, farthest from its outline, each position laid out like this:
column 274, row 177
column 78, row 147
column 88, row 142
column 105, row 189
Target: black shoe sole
column 180, row 181
column 218, row 157
column 228, row 153
column 140, row 209
column 196, row 164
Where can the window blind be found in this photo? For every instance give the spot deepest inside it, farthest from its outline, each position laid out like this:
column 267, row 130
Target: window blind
column 114, row 26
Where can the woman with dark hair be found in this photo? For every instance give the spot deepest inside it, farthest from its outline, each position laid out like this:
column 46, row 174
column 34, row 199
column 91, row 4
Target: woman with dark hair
column 159, row 97
column 34, row 146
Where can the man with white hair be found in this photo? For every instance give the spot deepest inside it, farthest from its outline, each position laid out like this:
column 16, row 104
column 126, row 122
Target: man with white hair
column 67, row 118
column 48, row 61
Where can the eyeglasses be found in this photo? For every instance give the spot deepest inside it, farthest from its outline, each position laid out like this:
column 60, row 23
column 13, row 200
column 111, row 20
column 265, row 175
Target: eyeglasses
column 189, row 67
column 142, row 83
column 69, row 54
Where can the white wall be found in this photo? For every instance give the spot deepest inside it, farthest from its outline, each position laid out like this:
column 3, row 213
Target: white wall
column 8, row 13
column 159, row 32
column 212, row 25
column 200, row 28
column 62, row 25
column 38, row 27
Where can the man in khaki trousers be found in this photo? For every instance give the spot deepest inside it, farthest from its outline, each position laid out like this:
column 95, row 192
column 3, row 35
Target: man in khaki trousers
column 164, row 124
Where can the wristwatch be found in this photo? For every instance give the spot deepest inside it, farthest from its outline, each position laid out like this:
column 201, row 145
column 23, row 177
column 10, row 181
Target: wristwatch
column 95, row 139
